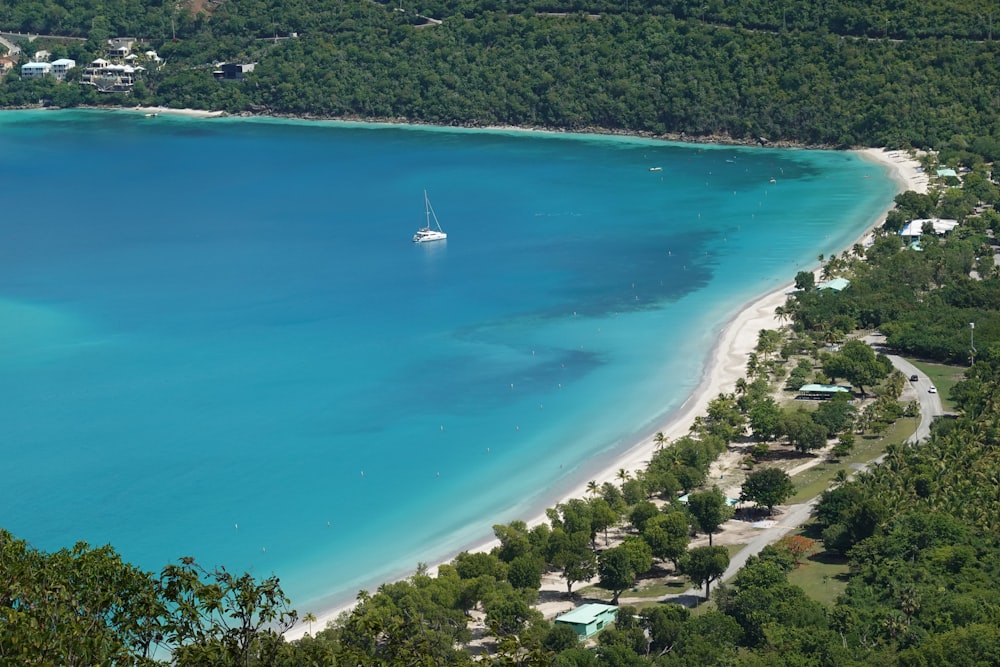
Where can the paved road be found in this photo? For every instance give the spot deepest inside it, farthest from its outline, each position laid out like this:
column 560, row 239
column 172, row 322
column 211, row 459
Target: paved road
column 930, row 404
column 12, row 49
column 796, row 515
column 792, row 517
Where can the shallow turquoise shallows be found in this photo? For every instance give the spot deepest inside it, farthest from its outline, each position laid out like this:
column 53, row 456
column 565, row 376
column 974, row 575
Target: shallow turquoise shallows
column 217, row 338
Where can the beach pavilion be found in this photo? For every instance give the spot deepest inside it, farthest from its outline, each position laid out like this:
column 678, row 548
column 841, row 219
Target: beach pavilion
column 589, row 619
column 819, row 392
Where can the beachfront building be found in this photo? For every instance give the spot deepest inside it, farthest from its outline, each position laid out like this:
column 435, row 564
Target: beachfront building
column 915, row 228
column 821, row 392
column 837, row 284
column 589, row 619
column 35, row 70
column 61, row 66
column 108, row 77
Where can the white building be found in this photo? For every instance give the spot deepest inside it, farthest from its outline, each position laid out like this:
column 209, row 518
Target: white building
column 915, row 228
column 61, row 66
column 108, row 77
column 35, row 70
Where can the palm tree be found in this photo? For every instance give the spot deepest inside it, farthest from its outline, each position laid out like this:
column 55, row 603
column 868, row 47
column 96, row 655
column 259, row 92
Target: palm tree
column 659, row 439
column 782, row 313
column 593, row 488
column 623, row 476
column 309, row 618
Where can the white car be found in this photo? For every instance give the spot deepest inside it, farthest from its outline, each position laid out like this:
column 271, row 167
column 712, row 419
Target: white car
column 932, row 390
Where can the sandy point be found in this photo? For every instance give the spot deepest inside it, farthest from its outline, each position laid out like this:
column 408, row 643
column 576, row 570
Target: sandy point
column 165, row 111
column 904, row 167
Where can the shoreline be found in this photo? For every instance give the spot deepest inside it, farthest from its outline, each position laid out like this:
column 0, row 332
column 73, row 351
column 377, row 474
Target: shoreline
column 726, row 363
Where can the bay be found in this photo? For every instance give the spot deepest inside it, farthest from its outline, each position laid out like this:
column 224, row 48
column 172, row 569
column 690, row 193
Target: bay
column 218, row 340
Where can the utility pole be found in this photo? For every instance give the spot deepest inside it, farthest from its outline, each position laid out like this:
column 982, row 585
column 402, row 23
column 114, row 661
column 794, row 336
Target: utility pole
column 972, row 343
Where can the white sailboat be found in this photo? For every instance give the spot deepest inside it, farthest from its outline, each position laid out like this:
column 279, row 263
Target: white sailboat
column 426, row 233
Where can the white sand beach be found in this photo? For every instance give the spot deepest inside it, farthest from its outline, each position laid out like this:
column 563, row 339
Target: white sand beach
column 906, row 170
column 190, row 113
column 726, row 364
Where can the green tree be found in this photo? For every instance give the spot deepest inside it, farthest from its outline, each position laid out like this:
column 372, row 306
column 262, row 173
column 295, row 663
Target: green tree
column 703, row 565
column 642, row 513
column 857, row 363
column 802, row 430
column 805, row 281
column 619, row 566
column 668, row 536
column 309, row 619
column 765, row 419
column 615, row 571
column 767, row 487
column 572, row 556
column 78, row 606
column 710, row 510
column 602, row 517
column 229, row 619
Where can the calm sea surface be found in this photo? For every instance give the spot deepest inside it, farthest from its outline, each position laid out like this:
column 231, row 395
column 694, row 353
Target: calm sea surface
column 217, row 340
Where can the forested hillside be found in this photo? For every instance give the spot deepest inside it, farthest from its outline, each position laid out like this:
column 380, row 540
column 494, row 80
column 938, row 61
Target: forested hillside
column 841, row 73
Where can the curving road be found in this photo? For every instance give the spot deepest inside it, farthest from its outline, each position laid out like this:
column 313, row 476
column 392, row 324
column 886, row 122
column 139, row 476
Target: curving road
column 930, row 404
column 794, row 516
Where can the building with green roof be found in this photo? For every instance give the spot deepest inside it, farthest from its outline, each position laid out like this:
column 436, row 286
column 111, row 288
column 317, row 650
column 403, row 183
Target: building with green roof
column 589, row 619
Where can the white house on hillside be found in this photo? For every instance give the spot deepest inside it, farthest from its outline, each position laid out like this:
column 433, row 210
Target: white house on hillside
column 61, row 66
column 35, row 70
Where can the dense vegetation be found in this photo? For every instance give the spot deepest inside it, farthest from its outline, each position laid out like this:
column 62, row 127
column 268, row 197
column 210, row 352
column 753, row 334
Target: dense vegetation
column 840, row 73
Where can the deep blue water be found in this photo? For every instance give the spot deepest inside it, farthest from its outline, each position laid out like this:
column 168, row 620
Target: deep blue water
column 217, row 340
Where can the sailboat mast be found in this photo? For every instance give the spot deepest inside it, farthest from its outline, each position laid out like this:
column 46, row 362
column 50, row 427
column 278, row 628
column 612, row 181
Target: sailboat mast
column 427, row 209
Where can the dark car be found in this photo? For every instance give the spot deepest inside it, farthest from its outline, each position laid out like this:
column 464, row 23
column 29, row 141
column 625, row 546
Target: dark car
column 913, row 378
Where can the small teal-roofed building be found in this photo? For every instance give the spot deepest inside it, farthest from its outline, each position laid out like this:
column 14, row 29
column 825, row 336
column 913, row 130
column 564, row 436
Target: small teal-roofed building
column 837, row 284
column 589, row 619
column 945, row 172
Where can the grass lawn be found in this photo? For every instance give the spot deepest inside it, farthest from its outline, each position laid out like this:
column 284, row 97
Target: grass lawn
column 734, row 549
column 944, row 378
column 812, row 482
column 822, row 575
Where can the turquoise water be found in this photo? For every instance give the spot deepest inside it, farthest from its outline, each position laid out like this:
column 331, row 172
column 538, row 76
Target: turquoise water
column 218, row 340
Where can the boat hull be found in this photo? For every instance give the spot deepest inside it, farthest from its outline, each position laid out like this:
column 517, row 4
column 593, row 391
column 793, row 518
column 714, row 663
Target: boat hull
column 428, row 236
